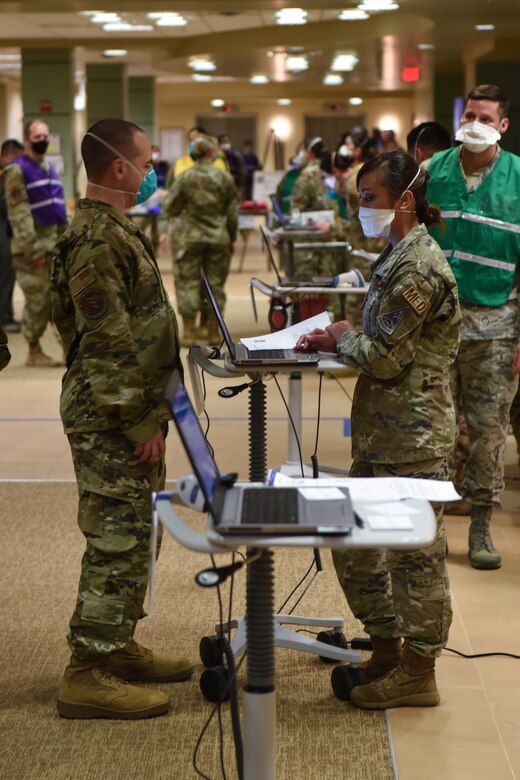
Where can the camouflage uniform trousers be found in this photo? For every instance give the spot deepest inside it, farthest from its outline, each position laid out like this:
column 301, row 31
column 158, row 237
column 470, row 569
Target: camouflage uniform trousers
column 215, row 260
column 483, row 386
column 36, row 286
column 401, row 593
column 114, row 514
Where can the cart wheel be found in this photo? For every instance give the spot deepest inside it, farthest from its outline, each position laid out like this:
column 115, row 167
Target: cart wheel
column 213, row 684
column 343, row 679
column 333, row 639
column 211, row 650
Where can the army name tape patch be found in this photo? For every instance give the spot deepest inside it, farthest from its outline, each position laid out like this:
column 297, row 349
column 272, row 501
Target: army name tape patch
column 80, row 281
column 389, row 321
column 93, row 304
column 417, row 301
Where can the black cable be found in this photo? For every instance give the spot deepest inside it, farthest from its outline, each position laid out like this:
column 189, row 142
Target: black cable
column 481, row 655
column 235, row 711
column 293, row 591
column 315, row 453
column 221, row 741
column 292, row 424
column 305, row 589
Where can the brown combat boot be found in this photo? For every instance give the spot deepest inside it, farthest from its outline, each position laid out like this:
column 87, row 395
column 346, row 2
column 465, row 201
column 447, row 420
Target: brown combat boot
column 189, row 334
column 410, row 684
column 37, row 358
column 136, row 662
column 482, row 553
column 88, row 690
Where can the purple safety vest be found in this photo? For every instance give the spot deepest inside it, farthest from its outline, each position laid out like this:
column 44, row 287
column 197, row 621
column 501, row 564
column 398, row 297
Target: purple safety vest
column 44, row 191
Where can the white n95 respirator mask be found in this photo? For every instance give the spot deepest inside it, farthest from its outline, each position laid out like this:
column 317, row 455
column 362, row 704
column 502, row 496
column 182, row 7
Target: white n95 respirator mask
column 477, row 137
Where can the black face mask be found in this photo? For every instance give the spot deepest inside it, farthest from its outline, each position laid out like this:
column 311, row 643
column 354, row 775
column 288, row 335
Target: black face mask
column 39, row 147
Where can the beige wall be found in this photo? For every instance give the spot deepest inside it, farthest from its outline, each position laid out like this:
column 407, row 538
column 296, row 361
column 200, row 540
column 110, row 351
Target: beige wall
column 392, row 113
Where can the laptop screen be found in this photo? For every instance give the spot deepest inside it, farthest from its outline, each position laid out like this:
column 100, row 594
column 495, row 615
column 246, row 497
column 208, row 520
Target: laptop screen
column 195, row 444
column 280, row 216
column 218, row 314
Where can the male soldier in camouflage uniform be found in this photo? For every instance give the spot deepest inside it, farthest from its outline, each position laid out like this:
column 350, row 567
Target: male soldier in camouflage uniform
column 37, row 215
column 121, row 341
column 403, row 425
column 5, row 355
column 205, row 200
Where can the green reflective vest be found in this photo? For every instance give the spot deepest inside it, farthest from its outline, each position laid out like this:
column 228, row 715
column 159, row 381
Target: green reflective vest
column 481, row 238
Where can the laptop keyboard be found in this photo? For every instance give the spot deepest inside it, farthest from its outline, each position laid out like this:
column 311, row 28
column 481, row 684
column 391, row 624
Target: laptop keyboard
column 270, row 506
column 270, row 354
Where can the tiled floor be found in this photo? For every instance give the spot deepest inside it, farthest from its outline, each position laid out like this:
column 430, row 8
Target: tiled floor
column 475, row 733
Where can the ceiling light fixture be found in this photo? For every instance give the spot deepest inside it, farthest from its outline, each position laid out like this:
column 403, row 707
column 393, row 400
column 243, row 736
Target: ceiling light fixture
column 345, row 61
column 425, row 46
column 201, row 64
column 102, row 18
column 171, row 20
column 127, row 27
column 355, row 101
column 352, row 15
column 259, row 78
column 115, row 52
column 482, row 27
column 296, row 64
column 373, row 6
column 218, row 103
column 332, row 79
column 201, row 77
column 291, row 16
column 284, row 101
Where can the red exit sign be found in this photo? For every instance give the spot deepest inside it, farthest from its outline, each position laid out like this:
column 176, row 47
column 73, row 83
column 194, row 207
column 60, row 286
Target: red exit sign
column 411, row 73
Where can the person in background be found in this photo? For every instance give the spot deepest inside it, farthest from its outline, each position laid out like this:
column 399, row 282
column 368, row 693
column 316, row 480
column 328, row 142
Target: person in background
column 252, row 164
column 203, row 202
column 9, row 151
column 120, row 335
column 160, row 166
column 284, row 191
column 427, row 138
column 390, row 142
column 476, row 187
column 5, row 355
column 403, row 425
column 235, row 162
column 183, row 163
column 38, row 215
column 309, row 190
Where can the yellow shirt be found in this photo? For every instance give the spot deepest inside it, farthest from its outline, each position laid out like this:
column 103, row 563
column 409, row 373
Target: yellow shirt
column 183, row 163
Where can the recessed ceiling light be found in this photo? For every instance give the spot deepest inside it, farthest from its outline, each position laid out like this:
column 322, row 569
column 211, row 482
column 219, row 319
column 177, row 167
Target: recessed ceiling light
column 291, row 16
column 484, row 27
column 218, row 103
column 259, row 78
column 102, row 18
column 201, row 77
column 352, row 14
column 377, row 5
column 89, row 13
column 296, row 64
column 171, row 20
column 115, row 52
column 201, row 64
column 332, row 79
column 127, row 27
column 346, row 61
column 425, row 46
column 355, row 101
column 284, row 101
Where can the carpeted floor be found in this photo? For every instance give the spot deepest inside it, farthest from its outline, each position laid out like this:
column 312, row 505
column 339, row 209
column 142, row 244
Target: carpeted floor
column 40, row 550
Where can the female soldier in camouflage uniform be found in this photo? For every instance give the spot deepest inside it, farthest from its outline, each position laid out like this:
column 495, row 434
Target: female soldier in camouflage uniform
column 403, row 425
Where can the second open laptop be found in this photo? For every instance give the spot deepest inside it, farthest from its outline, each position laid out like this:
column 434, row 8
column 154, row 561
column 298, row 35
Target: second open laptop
column 253, row 510
column 241, row 356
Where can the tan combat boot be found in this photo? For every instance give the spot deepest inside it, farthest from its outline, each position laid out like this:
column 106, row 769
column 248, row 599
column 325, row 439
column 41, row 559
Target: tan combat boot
column 410, row 684
column 88, row 690
column 482, row 553
column 38, row 359
column 189, row 334
column 135, row 662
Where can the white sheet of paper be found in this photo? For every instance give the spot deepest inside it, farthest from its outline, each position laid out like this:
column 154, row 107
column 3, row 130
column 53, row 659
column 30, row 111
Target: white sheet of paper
column 286, row 339
column 320, row 494
column 378, row 488
column 397, row 510
column 381, row 523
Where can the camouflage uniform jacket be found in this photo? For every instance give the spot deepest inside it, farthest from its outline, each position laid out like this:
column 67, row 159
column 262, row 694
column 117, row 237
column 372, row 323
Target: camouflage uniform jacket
column 116, row 324
column 29, row 239
column 205, row 198
column 309, row 192
column 402, row 409
column 5, row 355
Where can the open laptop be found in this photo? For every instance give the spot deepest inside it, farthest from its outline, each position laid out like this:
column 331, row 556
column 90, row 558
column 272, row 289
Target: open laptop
column 285, row 222
column 251, row 510
column 241, row 356
column 315, row 281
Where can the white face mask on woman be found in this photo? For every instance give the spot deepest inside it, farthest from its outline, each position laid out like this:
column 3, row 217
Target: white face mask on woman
column 376, row 223
column 477, row 137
